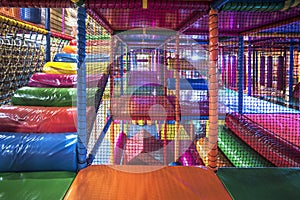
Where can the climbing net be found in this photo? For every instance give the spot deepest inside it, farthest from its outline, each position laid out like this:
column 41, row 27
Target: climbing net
column 22, row 53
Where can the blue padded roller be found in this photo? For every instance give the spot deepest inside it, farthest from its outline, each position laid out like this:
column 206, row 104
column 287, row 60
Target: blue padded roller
column 97, row 58
column 38, row 152
column 188, row 84
column 65, row 57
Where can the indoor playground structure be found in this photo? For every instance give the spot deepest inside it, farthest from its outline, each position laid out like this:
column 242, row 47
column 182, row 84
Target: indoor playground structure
column 150, row 99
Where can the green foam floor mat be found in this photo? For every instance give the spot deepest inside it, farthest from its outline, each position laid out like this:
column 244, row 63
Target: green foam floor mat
column 35, row 185
column 261, row 183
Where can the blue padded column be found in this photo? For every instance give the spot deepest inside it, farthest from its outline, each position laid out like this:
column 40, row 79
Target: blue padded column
column 291, row 71
column 48, row 36
column 240, row 74
column 81, row 89
column 249, row 67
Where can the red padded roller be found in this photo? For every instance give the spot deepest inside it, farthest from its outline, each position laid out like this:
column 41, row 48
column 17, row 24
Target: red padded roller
column 39, row 119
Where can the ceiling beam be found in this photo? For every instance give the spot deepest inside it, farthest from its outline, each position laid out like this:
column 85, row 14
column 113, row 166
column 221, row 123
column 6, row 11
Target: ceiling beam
column 271, row 25
column 194, row 17
column 101, row 20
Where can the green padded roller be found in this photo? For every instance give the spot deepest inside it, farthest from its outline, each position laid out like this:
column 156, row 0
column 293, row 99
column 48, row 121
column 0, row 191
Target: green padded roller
column 239, row 154
column 148, row 90
column 54, row 97
column 261, row 183
column 35, row 185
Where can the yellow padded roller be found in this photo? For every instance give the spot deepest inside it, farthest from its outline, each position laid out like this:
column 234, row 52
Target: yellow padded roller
column 60, row 68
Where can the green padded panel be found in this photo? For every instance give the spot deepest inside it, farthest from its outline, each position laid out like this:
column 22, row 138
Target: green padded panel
column 239, row 154
column 145, row 90
column 35, row 185
column 261, row 183
column 56, row 97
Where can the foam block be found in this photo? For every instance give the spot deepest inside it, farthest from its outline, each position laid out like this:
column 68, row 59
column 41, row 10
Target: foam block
column 38, row 152
column 272, row 142
column 60, row 68
column 56, row 97
column 52, row 80
column 32, row 119
column 35, row 185
column 151, row 182
column 65, row 57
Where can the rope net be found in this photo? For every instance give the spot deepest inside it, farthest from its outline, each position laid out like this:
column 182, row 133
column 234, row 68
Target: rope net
column 97, row 85
column 156, row 99
column 22, row 53
column 146, row 91
column 21, row 56
column 260, row 87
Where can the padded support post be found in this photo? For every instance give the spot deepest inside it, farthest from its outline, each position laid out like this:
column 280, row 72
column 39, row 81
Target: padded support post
column 245, row 73
column 165, row 95
column 63, row 20
column 233, row 71
column 240, row 73
column 262, row 70
column 177, row 88
column 280, row 73
column 256, row 71
column 112, row 133
column 48, row 35
column 213, row 90
column 81, row 88
column 121, row 68
column 122, row 76
column 269, row 69
column 223, row 70
column 253, row 70
column 291, row 71
column 228, row 81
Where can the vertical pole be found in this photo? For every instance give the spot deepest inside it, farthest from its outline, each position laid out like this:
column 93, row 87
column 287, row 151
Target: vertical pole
column 81, row 88
column 223, row 67
column 233, row 71
column 121, row 77
column 177, row 117
column 213, row 90
column 244, row 72
column 262, row 70
column 48, row 36
column 228, row 80
column 280, row 77
column 291, row 71
column 284, row 70
column 297, row 57
column 111, row 83
column 121, row 69
column 165, row 103
column 240, row 73
column 63, row 20
column 269, row 69
column 256, row 70
column 155, row 59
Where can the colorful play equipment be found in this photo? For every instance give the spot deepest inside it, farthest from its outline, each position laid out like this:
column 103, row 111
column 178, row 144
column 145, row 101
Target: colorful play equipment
column 39, row 127
column 131, row 105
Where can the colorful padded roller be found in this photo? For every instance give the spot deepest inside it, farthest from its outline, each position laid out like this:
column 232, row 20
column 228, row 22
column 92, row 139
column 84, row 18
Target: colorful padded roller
column 60, row 68
column 69, row 49
column 36, row 119
column 65, row 57
column 52, row 80
column 53, row 97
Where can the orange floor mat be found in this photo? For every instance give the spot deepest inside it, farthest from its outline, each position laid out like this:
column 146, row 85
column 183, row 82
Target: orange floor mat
column 146, row 182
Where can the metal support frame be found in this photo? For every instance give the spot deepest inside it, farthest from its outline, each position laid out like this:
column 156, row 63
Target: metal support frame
column 240, row 74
